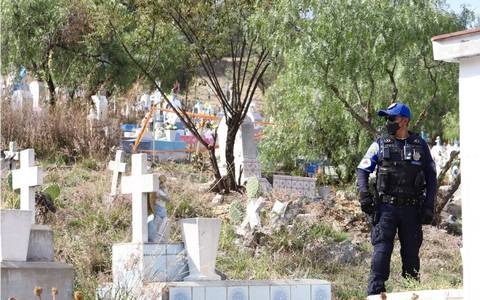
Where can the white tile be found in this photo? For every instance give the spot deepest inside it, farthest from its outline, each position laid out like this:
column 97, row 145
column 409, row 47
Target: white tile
column 180, row 293
column 198, row 293
column 280, row 292
column 300, row 292
column 321, row 292
column 174, row 248
column 238, row 293
column 259, row 292
column 215, row 293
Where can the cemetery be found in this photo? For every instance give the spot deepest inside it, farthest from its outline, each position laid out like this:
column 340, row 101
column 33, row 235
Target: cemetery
column 194, row 150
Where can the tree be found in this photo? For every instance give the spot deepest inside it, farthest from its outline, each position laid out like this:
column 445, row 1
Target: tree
column 353, row 58
column 213, row 30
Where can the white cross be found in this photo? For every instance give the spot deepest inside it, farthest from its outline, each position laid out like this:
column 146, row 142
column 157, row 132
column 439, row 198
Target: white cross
column 26, row 178
column 11, row 154
column 116, row 166
column 139, row 184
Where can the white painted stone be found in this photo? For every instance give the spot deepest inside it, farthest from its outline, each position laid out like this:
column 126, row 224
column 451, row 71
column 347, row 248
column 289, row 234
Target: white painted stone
column 423, row 295
column 139, row 184
column 200, row 236
column 322, row 292
column 38, row 90
column 237, row 293
column 280, row 292
column 117, row 167
column 219, row 293
column 300, row 292
column 259, row 292
column 101, row 106
column 14, row 234
column 26, row 178
column 40, row 246
column 252, row 217
column 198, row 293
column 181, row 294
column 464, row 48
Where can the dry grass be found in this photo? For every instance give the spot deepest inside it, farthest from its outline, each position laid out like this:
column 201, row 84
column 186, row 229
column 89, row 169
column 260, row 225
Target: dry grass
column 61, row 133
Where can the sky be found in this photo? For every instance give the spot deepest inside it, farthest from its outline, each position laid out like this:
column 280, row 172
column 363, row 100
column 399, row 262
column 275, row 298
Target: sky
column 472, row 4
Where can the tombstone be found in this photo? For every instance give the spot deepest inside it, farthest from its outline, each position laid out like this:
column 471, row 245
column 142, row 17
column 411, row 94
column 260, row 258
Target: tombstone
column 101, row 106
column 302, row 186
column 26, row 178
column 21, row 98
column 245, row 150
column 140, row 263
column 145, row 101
column 26, row 255
column 201, row 236
column 439, row 155
column 464, row 48
column 252, row 216
column 11, row 155
column 117, row 167
column 38, row 90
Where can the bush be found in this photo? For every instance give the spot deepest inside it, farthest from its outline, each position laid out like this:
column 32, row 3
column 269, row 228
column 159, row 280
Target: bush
column 61, row 133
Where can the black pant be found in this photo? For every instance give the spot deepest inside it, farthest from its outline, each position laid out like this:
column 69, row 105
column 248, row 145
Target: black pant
column 406, row 220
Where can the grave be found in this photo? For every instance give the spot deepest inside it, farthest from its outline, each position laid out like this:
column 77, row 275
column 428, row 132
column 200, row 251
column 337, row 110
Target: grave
column 117, row 167
column 38, row 90
column 245, row 151
column 101, row 106
column 26, row 255
column 139, row 266
column 464, row 48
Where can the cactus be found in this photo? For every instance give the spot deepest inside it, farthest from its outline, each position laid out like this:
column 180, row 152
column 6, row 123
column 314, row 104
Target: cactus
column 236, row 212
column 253, row 188
column 53, row 191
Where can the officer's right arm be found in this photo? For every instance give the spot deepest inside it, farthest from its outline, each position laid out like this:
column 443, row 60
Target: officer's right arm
column 366, row 167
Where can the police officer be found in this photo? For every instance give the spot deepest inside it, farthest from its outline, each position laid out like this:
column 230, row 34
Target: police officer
column 403, row 198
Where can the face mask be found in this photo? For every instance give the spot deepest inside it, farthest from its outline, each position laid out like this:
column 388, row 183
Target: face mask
column 392, row 127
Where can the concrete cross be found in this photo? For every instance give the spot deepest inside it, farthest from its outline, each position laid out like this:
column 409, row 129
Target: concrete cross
column 26, row 178
column 139, row 184
column 11, row 154
column 116, row 166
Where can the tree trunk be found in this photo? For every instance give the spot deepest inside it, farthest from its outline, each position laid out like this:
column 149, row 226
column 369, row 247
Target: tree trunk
column 219, row 185
column 51, row 90
column 230, row 157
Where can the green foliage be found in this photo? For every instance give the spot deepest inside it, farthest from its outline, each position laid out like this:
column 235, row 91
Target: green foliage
column 236, row 212
column 253, row 187
column 341, row 62
column 53, row 190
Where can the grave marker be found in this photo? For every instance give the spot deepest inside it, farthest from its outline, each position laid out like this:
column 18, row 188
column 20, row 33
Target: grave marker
column 116, row 166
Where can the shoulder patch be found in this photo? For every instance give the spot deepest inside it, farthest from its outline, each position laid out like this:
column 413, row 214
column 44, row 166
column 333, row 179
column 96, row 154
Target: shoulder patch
column 365, row 163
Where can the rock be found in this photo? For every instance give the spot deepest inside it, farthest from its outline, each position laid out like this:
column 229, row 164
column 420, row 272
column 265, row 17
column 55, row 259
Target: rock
column 218, row 199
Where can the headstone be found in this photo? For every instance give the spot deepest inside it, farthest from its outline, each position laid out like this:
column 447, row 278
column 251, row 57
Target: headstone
column 21, row 98
column 139, row 183
column 439, row 155
column 11, row 155
column 26, row 178
column 302, row 186
column 101, row 106
column 145, row 101
column 201, row 236
column 245, row 150
column 117, row 167
column 38, row 90
column 252, row 216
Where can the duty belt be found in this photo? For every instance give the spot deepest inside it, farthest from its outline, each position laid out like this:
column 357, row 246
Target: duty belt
column 399, row 201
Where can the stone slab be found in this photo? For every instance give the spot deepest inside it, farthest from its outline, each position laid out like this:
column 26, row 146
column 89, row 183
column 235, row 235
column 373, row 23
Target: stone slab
column 296, row 289
column 136, row 264
column 18, row 279
column 449, row 294
column 40, row 246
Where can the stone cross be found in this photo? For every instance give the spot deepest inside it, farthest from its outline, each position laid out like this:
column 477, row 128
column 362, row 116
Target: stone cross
column 116, row 166
column 139, row 183
column 11, row 154
column 26, row 178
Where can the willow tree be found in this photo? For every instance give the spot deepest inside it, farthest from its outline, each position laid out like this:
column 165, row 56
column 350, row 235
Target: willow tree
column 343, row 60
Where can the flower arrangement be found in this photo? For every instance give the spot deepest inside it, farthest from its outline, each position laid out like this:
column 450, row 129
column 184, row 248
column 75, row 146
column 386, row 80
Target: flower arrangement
column 169, row 126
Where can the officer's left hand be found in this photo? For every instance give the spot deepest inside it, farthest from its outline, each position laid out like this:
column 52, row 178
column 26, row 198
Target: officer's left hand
column 427, row 217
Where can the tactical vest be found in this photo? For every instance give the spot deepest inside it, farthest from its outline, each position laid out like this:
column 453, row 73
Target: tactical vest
column 400, row 169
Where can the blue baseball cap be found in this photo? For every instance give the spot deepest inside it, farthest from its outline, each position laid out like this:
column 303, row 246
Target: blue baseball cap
column 396, row 109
